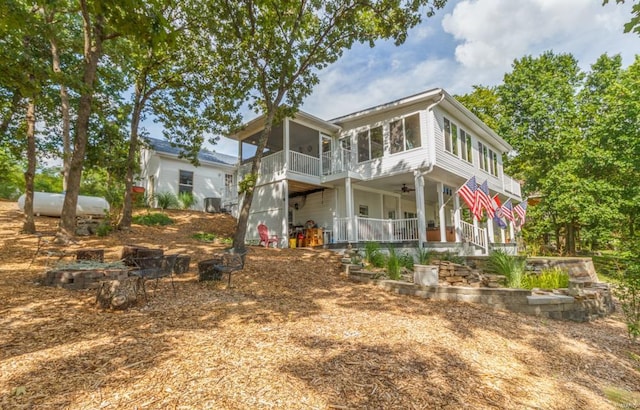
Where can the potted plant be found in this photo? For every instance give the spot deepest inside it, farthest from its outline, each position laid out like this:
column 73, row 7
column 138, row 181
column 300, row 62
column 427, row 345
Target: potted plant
column 424, row 273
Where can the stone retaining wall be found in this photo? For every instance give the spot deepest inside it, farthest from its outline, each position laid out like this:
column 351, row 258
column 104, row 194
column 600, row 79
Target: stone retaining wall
column 577, row 268
column 587, row 304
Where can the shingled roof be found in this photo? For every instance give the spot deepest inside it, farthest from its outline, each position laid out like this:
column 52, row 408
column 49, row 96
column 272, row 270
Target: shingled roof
column 165, row 147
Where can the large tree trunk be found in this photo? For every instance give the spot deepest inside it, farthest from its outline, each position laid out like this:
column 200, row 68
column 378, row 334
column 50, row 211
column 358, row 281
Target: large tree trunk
column 66, row 118
column 93, row 37
column 29, row 225
column 127, row 208
column 243, row 218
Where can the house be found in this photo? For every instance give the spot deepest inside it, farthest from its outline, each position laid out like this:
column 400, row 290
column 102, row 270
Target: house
column 212, row 183
column 387, row 174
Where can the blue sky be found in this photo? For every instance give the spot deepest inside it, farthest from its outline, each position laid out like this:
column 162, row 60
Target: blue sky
column 468, row 42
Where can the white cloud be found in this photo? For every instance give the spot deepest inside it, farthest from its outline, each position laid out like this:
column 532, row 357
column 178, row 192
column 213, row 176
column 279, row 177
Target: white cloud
column 492, row 33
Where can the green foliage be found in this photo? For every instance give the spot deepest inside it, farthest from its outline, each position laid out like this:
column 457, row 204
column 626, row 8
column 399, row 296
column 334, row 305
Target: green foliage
column 425, row 256
column 624, row 399
column 248, row 183
column 187, row 200
column 373, row 256
column 512, row 267
column 406, row 260
column 393, row 265
column 204, row 236
column 11, row 176
column 554, row 278
column 628, row 293
column 154, row 218
column 48, row 180
column 167, row 200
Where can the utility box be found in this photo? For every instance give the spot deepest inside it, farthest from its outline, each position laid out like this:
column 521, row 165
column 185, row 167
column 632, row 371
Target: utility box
column 212, row 205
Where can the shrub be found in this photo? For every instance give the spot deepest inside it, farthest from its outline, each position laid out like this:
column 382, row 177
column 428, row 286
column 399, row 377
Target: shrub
column 187, row 200
column 406, row 260
column 393, row 265
column 425, row 256
column 512, row 267
column 547, row 279
column 155, row 218
column 167, row 200
column 628, row 293
column 373, row 256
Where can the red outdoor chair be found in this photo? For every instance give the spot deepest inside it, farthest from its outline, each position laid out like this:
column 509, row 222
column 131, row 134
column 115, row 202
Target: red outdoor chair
column 265, row 238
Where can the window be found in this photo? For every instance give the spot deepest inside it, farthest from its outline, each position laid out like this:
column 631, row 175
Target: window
column 185, row 184
column 451, row 137
column 363, row 210
column 404, row 134
column 228, row 180
column 370, row 144
column 466, row 149
column 488, row 159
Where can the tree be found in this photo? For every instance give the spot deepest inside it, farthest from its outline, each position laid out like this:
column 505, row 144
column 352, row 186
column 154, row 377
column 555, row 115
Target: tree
column 485, row 104
column 277, row 49
column 541, row 123
column 172, row 66
column 634, row 24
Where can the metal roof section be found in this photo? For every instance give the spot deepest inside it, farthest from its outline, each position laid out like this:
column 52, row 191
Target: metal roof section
column 165, row 147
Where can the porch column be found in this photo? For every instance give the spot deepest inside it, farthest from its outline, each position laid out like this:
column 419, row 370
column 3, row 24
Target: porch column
column 286, row 141
column 490, row 229
column 475, row 229
column 441, row 214
column 285, row 214
column 348, row 193
column 456, row 217
column 511, row 232
column 502, row 235
column 420, row 208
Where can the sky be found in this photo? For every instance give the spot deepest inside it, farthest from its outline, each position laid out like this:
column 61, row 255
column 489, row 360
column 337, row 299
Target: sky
column 467, row 43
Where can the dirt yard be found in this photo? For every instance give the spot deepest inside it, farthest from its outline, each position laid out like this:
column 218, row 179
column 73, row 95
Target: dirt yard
column 291, row 333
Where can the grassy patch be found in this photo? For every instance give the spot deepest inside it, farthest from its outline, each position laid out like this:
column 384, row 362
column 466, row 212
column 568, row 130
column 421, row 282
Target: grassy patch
column 155, row 218
column 547, row 279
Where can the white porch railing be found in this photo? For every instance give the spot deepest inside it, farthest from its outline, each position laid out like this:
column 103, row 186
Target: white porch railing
column 377, row 230
column 304, row 164
column 270, row 164
column 336, row 162
column 474, row 235
column 511, row 185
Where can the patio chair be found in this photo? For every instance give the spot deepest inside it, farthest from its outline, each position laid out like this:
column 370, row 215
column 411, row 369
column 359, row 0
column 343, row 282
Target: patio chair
column 231, row 262
column 265, row 238
column 154, row 267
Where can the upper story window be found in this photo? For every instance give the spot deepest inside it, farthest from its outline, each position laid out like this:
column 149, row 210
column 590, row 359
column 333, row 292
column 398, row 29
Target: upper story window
column 185, row 183
column 451, row 137
column 228, row 180
column 466, row 149
column 404, row 134
column 488, row 159
column 370, row 144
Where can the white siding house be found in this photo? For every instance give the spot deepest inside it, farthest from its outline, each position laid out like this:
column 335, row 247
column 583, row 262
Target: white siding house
column 162, row 170
column 387, row 174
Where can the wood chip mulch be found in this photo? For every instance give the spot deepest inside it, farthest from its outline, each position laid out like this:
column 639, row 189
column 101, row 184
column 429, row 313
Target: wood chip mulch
column 291, row 333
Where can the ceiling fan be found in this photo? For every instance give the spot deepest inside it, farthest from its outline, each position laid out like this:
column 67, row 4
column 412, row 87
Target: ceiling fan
column 406, row 189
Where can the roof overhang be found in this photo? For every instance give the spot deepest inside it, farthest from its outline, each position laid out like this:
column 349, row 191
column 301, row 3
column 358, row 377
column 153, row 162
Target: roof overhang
column 257, row 124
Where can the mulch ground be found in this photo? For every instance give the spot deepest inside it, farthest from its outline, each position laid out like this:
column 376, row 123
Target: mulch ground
column 291, row 333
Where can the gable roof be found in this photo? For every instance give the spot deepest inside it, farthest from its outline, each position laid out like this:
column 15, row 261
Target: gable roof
column 165, row 147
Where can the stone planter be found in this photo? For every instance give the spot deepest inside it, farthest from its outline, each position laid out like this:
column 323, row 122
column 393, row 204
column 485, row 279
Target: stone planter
column 425, row 275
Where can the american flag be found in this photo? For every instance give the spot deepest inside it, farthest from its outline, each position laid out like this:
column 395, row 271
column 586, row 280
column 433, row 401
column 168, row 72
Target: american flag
column 483, row 200
column 521, row 211
column 507, row 210
column 468, row 192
